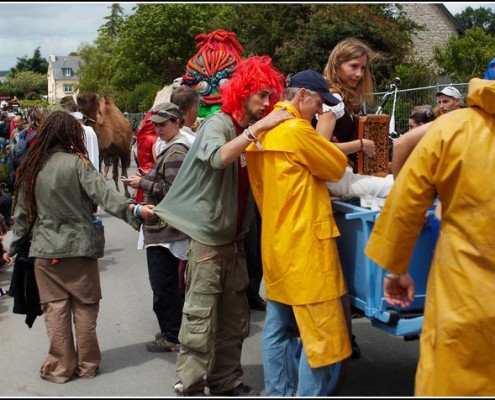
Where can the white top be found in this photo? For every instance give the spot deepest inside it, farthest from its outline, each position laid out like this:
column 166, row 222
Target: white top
column 338, row 110
column 185, row 130
column 188, row 133
column 91, row 141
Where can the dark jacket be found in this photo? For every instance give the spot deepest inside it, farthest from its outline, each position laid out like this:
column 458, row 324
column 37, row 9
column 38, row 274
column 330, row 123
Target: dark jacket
column 23, row 287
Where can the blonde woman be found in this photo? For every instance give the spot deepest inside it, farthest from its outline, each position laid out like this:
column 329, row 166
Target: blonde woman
column 349, row 77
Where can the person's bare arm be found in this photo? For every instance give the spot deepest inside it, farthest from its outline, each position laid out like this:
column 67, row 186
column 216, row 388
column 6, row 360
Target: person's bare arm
column 404, row 145
column 326, row 124
column 355, row 145
column 325, row 127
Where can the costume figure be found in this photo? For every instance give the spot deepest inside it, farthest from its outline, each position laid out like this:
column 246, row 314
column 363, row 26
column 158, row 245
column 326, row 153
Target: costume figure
column 219, row 53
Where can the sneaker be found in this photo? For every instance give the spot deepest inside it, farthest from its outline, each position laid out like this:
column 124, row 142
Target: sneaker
column 162, row 346
column 179, row 389
column 242, row 390
column 167, row 336
column 257, row 303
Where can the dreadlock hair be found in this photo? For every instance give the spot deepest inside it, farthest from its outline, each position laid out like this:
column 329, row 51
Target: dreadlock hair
column 251, row 76
column 344, row 51
column 58, row 129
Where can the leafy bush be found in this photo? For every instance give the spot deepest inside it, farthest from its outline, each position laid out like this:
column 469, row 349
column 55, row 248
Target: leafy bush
column 30, row 103
column 416, row 73
column 33, row 96
column 142, row 97
column 467, row 57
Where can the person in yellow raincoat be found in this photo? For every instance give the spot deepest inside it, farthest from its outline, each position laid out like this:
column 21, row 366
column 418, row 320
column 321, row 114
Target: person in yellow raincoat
column 455, row 160
column 288, row 169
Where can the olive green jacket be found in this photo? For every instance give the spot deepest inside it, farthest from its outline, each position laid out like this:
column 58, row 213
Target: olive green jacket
column 202, row 201
column 66, row 188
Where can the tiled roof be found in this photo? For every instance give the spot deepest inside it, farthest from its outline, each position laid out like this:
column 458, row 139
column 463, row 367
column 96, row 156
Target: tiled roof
column 65, row 62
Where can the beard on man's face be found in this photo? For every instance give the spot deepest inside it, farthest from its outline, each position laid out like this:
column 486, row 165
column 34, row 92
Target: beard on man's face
column 254, row 116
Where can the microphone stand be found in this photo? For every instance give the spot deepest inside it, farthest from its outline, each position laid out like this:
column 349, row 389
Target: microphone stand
column 392, row 89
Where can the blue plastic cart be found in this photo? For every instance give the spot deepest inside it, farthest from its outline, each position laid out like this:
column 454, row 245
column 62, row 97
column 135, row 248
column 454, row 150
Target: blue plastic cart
column 365, row 278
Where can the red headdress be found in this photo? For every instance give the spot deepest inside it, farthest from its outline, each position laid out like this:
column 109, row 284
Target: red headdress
column 251, row 76
column 219, row 53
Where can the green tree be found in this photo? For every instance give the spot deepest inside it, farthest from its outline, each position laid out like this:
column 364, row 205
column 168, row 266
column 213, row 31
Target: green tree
column 301, row 36
column 262, row 28
column 97, row 69
column 150, row 46
column 140, row 99
column 384, row 27
column 158, row 36
column 482, row 17
column 154, row 44
column 467, row 57
column 114, row 22
column 36, row 63
column 415, row 73
column 26, row 82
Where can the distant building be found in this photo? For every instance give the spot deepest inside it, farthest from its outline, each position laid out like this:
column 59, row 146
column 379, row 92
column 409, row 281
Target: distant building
column 3, row 76
column 440, row 25
column 62, row 77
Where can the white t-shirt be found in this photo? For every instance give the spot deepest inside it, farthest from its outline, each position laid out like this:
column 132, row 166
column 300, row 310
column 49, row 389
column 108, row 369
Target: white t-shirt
column 338, row 110
column 91, row 141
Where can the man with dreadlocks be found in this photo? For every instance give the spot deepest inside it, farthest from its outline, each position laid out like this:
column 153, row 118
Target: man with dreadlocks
column 55, row 189
column 210, row 201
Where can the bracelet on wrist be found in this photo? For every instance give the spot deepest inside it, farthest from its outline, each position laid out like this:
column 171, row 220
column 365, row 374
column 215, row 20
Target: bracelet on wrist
column 137, row 212
column 249, row 136
column 362, row 145
column 392, row 277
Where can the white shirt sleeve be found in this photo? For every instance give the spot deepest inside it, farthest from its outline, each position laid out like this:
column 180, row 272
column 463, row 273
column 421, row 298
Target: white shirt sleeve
column 338, row 110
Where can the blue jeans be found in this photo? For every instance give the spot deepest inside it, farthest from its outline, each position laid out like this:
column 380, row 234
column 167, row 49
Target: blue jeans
column 286, row 368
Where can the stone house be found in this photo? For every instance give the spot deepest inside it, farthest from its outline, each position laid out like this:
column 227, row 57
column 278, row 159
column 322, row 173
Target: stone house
column 440, row 25
column 62, row 77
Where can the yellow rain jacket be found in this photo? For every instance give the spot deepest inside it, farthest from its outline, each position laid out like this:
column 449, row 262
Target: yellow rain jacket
column 301, row 265
column 456, row 160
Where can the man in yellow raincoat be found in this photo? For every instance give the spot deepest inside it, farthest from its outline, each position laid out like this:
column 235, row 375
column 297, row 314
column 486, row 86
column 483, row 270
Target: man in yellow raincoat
column 455, row 160
column 288, row 169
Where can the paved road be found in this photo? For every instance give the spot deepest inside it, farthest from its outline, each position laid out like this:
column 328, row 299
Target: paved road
column 126, row 322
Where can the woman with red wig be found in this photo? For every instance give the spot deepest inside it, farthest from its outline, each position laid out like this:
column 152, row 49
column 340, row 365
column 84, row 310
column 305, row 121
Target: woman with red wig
column 210, row 201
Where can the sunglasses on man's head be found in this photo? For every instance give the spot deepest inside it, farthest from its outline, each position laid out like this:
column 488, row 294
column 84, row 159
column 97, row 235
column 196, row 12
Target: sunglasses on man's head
column 164, row 114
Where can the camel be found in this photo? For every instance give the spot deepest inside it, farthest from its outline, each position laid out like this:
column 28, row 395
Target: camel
column 113, row 130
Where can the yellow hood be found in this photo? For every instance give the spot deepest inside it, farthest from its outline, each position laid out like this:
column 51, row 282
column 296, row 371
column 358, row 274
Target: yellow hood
column 481, row 94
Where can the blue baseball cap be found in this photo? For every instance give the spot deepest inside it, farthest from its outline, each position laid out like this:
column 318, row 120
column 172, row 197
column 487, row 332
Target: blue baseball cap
column 312, row 80
column 490, row 71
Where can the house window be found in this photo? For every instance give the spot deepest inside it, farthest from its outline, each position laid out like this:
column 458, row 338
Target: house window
column 68, row 88
column 67, row 72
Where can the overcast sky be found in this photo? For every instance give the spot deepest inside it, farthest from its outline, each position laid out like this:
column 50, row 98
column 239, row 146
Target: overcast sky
column 61, row 28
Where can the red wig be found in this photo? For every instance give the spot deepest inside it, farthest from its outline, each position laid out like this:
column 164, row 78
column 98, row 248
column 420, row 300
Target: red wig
column 251, row 76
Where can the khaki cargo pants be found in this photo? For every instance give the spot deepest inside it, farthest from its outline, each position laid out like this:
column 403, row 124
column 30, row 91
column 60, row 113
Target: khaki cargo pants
column 70, row 293
column 215, row 316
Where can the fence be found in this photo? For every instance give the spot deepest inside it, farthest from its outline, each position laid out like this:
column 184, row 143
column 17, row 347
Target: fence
column 134, row 119
column 407, row 99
